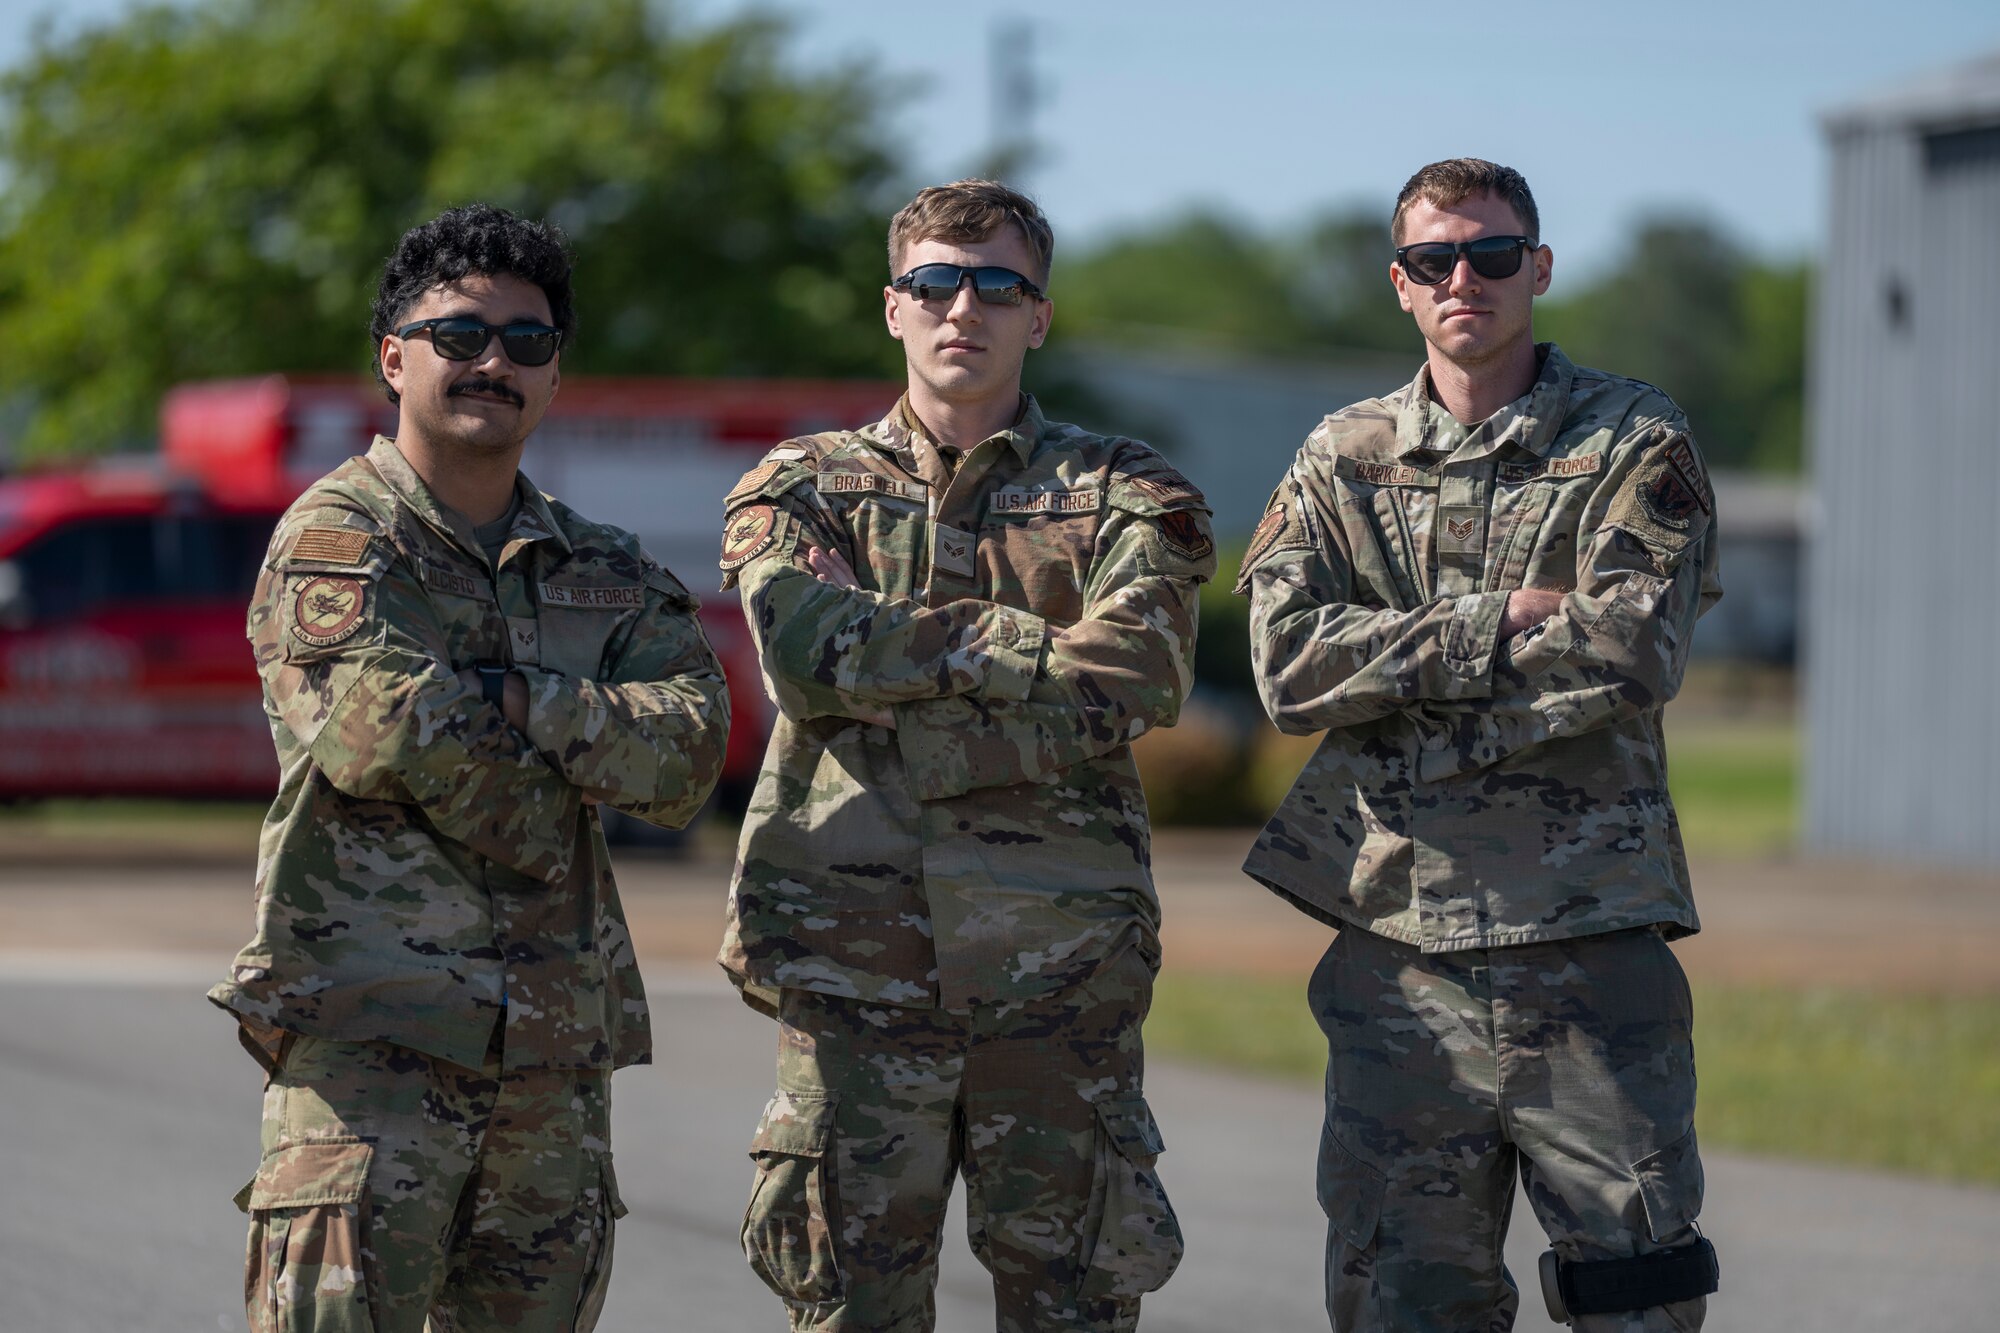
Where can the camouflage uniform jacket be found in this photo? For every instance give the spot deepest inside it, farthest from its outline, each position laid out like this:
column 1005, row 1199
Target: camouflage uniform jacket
column 1018, row 628
column 1472, row 792
column 426, row 864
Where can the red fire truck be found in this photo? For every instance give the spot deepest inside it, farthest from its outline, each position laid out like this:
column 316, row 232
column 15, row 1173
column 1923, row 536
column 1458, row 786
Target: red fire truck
column 123, row 666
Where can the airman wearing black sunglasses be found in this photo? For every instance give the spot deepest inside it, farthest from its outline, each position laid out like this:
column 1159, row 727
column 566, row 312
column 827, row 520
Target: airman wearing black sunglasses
column 457, row 668
column 1482, row 588
column 965, row 612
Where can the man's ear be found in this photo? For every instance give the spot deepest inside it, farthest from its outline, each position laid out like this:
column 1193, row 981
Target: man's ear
column 390, row 353
column 1045, row 313
column 892, row 315
column 1402, row 285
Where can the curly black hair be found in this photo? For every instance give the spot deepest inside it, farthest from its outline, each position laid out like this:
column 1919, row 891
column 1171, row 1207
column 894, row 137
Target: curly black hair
column 472, row 238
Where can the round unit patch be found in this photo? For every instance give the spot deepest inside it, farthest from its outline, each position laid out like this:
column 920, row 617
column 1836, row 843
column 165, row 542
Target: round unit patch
column 327, row 609
column 747, row 533
column 1267, row 533
column 1184, row 535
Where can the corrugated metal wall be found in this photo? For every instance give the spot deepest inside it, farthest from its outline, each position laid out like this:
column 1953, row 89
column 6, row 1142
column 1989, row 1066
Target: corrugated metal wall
column 1903, row 625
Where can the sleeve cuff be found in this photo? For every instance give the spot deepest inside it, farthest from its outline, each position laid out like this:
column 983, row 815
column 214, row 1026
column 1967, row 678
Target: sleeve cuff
column 1014, row 641
column 937, row 761
column 1471, row 640
column 554, row 711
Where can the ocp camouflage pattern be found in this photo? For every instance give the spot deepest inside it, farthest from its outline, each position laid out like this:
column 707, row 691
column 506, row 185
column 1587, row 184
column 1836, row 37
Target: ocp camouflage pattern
column 425, row 864
column 948, row 813
column 875, row 1105
column 395, row 1188
column 1473, row 792
column 1570, row 1061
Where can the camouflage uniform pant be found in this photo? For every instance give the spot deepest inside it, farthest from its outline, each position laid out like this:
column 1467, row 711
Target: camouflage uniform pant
column 1038, row 1104
column 1572, row 1058
column 396, row 1187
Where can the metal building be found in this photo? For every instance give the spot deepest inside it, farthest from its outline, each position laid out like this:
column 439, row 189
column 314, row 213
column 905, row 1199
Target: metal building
column 1902, row 682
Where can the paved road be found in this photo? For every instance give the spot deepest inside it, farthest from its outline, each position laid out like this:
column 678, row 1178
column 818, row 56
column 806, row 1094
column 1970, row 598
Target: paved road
column 131, row 1116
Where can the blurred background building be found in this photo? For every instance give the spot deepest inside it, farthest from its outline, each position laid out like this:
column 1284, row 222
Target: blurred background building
column 1903, row 632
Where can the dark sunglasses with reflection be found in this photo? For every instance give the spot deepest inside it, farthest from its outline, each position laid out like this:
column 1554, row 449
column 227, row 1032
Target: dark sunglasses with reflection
column 1428, row 263
column 992, row 284
column 463, row 338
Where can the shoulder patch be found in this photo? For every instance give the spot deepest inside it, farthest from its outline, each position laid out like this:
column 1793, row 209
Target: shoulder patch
column 747, row 534
column 334, row 545
column 1680, row 454
column 770, row 478
column 1185, row 536
column 1283, row 528
column 753, row 480
column 1663, row 507
column 1169, row 489
column 326, row 609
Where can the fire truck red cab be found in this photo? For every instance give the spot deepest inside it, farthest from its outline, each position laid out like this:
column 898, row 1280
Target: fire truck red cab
column 123, row 664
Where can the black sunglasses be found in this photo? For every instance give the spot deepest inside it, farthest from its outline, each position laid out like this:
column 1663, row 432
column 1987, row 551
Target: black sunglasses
column 463, row 338
column 1428, row 263
column 992, row 284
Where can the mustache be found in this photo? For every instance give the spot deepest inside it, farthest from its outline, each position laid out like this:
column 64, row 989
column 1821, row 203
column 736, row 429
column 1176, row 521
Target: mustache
column 481, row 384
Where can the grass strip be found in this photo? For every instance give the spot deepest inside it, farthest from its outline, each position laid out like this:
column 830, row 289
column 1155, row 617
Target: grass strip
column 1907, row 1083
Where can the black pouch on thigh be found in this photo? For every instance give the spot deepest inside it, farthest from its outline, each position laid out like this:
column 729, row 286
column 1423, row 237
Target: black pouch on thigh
column 308, row 1209
column 1138, row 1242
column 790, row 1225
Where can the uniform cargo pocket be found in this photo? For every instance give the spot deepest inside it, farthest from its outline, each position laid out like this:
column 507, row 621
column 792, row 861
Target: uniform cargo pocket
column 1350, row 1191
column 597, row 1263
column 308, row 1213
column 1139, row 1242
column 789, row 1228
column 1670, row 1185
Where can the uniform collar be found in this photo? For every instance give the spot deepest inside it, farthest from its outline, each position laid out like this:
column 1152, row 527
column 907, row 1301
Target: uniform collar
column 533, row 521
column 1530, row 422
column 895, row 431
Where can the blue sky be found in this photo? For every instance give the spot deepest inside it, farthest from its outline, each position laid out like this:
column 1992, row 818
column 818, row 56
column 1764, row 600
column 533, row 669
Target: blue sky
column 1275, row 110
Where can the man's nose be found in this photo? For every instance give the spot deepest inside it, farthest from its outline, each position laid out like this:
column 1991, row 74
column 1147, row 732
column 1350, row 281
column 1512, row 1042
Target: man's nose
column 1462, row 279
column 493, row 360
column 964, row 308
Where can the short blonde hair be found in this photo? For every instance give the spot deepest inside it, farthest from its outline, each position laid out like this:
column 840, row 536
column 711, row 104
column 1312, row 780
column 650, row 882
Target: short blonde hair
column 967, row 211
column 1456, row 179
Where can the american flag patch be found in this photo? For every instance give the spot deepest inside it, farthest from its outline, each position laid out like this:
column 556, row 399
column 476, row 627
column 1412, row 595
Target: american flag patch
column 335, row 546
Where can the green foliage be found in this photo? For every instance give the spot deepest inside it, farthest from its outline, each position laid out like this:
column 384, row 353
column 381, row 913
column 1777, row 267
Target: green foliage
column 1207, row 279
column 1904, row 1082
column 1735, row 784
column 1686, row 309
column 211, row 189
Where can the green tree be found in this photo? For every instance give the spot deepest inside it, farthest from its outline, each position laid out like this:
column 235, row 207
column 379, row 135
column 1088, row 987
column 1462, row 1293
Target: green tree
column 1685, row 308
column 1206, row 279
column 210, row 189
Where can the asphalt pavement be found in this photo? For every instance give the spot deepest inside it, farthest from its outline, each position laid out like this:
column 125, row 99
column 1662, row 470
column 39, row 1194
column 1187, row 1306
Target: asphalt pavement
column 130, row 1117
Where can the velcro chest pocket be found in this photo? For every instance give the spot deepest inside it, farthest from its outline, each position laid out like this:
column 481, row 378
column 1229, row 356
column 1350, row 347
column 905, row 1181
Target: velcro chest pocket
column 578, row 617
